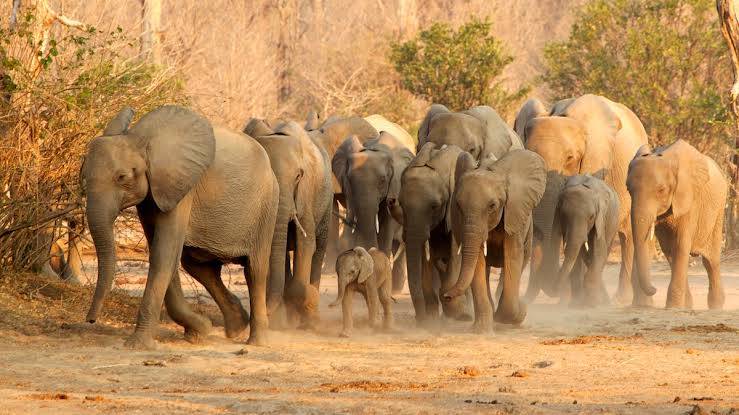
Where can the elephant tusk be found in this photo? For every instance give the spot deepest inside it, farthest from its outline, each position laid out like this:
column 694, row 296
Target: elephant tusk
column 587, row 248
column 377, row 223
column 297, row 223
column 459, row 249
column 398, row 253
column 428, row 251
column 485, row 248
column 651, row 232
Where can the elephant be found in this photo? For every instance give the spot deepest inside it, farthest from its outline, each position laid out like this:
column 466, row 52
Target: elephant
column 368, row 272
column 381, row 124
column 479, row 131
column 492, row 220
column 586, row 135
column 205, row 196
column 586, row 221
column 303, row 213
column 424, row 208
column 370, row 177
column 532, row 108
column 678, row 194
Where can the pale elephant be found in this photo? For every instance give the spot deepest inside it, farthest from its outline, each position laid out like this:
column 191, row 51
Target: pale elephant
column 369, row 273
column 586, row 221
column 587, row 135
column 492, row 220
column 195, row 189
column 532, row 108
column 677, row 194
column 304, row 175
column 381, row 124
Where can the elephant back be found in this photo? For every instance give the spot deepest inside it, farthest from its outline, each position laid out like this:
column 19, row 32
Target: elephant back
column 332, row 134
column 381, row 124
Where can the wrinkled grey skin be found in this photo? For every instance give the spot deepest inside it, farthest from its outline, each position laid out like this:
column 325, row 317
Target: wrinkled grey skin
column 303, row 213
column 493, row 207
column 678, row 195
column 330, row 135
column 424, row 209
column 587, row 135
column 586, row 222
column 479, row 131
column 194, row 188
column 368, row 272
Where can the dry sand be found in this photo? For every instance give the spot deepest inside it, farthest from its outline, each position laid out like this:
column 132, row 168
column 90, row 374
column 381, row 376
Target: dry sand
column 616, row 360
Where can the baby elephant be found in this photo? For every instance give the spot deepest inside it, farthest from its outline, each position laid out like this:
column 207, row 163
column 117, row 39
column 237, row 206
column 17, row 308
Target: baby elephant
column 586, row 220
column 369, row 273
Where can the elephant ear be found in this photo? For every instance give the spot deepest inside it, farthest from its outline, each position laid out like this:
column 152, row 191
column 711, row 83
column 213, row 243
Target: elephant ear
column 499, row 137
column 400, row 157
column 366, row 265
column 532, row 108
column 526, row 177
column 423, row 156
column 119, row 124
column 180, row 147
column 465, row 162
column 257, row 128
column 423, row 129
column 312, row 122
column 340, row 167
column 691, row 171
column 601, row 124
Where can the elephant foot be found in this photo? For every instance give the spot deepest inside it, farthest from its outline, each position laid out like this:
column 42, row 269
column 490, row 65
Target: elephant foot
column 715, row 299
column 624, row 296
column 140, row 341
column 257, row 338
column 235, row 327
column 345, row 334
column 514, row 317
column 482, row 324
column 198, row 330
column 642, row 300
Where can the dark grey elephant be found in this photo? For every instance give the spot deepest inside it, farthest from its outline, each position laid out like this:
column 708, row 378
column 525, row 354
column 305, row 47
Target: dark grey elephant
column 492, row 220
column 479, row 131
column 304, row 176
column 586, row 221
column 194, row 188
column 424, row 208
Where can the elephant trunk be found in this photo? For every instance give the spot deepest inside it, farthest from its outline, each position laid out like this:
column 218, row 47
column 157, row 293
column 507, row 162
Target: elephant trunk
column 101, row 214
column 278, row 254
column 641, row 226
column 472, row 239
column 366, row 211
column 414, row 248
column 573, row 244
column 544, row 220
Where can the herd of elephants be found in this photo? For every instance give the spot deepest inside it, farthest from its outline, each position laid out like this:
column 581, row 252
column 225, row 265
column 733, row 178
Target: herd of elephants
column 362, row 196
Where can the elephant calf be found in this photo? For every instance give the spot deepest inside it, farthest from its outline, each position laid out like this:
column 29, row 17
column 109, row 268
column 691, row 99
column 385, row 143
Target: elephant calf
column 369, row 273
column 586, row 219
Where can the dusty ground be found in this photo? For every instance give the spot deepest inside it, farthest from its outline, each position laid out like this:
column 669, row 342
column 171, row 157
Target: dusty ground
column 610, row 360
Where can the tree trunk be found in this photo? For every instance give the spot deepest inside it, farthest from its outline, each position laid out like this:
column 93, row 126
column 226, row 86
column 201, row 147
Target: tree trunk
column 288, row 15
column 151, row 13
column 727, row 10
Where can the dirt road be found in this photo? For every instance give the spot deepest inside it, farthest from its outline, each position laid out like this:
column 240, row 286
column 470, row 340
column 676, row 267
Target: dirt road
column 611, row 360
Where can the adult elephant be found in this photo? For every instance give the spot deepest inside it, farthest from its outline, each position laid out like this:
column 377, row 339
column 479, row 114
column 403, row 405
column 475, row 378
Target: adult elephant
column 303, row 213
column 479, row 131
column 492, row 220
column 381, row 124
column 424, row 209
column 532, row 108
column 370, row 175
column 194, row 188
column 678, row 194
column 587, row 135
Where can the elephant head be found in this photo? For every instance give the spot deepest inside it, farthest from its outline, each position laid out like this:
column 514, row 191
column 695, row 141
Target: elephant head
column 370, row 175
column 161, row 157
column 480, row 131
column 662, row 182
column 583, row 214
column 532, row 108
column 501, row 194
column 353, row 266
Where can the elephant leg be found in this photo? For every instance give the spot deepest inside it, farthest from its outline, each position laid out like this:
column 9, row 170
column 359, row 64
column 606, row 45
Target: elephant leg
column 676, row 291
column 386, row 300
column 165, row 249
column 483, row 309
column 537, row 256
column 373, row 304
column 399, row 274
column 430, row 295
column 320, row 252
column 346, row 311
column 487, row 281
column 304, row 296
column 333, row 237
column 499, row 288
column 510, row 309
column 593, row 286
column 712, row 263
column 196, row 326
column 576, row 295
column 235, row 317
column 256, row 275
column 625, row 293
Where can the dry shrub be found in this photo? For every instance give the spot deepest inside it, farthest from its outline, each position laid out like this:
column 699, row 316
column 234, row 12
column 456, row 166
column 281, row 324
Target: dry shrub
column 54, row 105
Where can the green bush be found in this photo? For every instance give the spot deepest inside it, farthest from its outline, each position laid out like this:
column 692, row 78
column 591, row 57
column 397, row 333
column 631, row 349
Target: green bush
column 664, row 59
column 457, row 68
